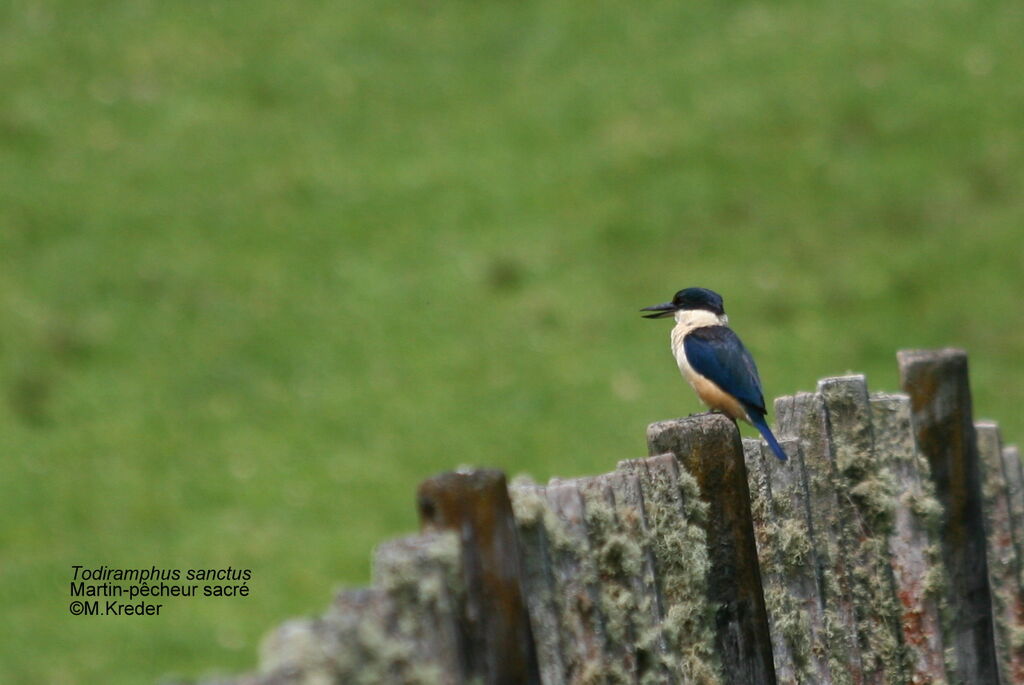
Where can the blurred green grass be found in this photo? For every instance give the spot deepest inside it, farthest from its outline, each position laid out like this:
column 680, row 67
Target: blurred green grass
column 265, row 266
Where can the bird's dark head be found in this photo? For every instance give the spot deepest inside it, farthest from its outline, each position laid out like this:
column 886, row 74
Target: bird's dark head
column 688, row 299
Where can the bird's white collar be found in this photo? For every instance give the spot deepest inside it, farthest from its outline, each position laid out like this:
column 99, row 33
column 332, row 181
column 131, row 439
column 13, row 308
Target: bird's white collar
column 689, row 319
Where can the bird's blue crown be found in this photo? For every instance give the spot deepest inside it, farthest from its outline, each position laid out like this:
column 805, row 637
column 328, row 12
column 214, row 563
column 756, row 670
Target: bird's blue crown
column 699, row 298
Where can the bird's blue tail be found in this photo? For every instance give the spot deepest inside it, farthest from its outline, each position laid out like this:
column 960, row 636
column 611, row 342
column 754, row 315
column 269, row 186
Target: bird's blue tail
column 761, row 425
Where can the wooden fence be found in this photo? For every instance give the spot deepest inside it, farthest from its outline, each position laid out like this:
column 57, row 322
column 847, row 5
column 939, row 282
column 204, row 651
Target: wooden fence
column 888, row 549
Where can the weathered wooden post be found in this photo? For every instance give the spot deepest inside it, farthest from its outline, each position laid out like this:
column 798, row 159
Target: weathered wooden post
column 402, row 630
column 543, row 599
column 652, row 648
column 675, row 551
column 419, row 576
column 1013, row 470
column 497, row 643
column 708, row 446
column 804, row 417
column 619, row 561
column 867, row 494
column 574, row 569
column 785, row 544
column 1004, row 564
column 616, row 577
column 941, row 415
column 913, row 542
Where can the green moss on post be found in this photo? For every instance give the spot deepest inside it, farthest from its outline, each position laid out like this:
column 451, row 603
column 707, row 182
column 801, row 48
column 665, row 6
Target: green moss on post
column 535, row 519
column 708, row 447
column 866, row 491
column 915, row 561
column 788, row 563
column 803, row 417
column 651, row 647
column 618, row 560
column 941, row 416
column 1013, row 472
column 421, row 578
column 575, row 573
column 1004, row 565
column 677, row 551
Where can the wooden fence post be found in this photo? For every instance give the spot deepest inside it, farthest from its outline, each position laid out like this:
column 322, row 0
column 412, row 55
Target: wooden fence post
column 575, row 574
column 1013, row 470
column 708, row 446
column 494, row 624
column 867, row 495
column 652, row 651
column 940, row 400
column 402, row 630
column 624, row 607
column 804, row 417
column 420, row 577
column 787, row 556
column 1004, row 564
column 913, row 541
column 615, row 583
column 676, row 552
column 553, row 643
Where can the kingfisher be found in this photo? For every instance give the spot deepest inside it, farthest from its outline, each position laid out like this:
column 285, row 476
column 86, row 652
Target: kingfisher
column 713, row 360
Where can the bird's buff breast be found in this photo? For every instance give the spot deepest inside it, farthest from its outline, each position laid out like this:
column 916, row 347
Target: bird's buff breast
column 707, row 390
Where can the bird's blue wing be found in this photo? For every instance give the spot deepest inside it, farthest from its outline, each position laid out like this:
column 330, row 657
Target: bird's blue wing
column 716, row 353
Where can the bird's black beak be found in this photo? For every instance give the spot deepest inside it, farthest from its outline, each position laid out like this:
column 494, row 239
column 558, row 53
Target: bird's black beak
column 663, row 310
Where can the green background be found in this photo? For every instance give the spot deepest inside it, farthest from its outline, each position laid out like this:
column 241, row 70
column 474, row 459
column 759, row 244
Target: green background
column 265, row 265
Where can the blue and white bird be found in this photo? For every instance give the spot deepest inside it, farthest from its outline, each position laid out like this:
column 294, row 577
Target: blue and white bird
column 713, row 360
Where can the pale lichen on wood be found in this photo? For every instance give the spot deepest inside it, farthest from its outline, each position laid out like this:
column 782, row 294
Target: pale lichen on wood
column 673, row 515
column 534, row 519
column 708, row 448
column 651, row 647
column 1013, row 473
column 402, row 631
column 804, row 418
column 616, row 576
column 618, row 558
column 943, row 425
column 1003, row 560
column 913, row 539
column 786, row 556
column 866, row 493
